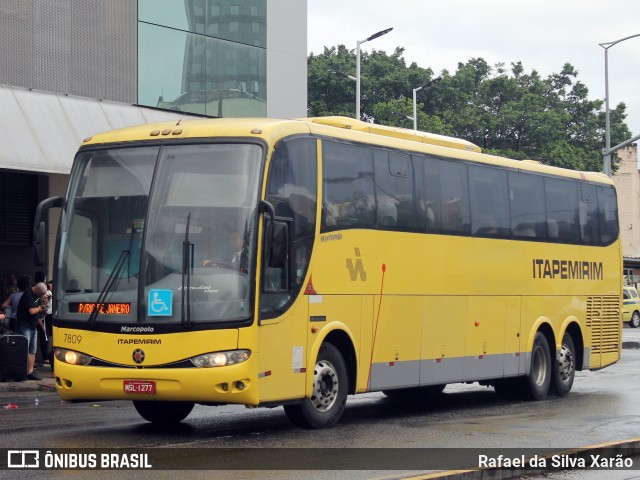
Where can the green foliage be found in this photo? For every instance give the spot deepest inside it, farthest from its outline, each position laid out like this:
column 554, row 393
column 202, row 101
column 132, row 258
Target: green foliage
column 506, row 111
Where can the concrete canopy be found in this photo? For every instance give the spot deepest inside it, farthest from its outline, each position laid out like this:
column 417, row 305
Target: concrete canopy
column 41, row 132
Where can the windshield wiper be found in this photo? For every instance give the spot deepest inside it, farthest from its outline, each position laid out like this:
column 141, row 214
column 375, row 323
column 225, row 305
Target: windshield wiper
column 124, row 255
column 186, row 276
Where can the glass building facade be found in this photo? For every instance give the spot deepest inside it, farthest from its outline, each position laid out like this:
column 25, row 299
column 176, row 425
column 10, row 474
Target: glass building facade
column 203, row 56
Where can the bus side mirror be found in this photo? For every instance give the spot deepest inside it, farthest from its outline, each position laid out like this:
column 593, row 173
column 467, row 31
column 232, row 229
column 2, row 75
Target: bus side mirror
column 278, row 246
column 39, row 228
column 38, row 238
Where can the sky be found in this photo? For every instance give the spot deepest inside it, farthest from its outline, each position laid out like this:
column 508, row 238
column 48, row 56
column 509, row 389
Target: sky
column 542, row 34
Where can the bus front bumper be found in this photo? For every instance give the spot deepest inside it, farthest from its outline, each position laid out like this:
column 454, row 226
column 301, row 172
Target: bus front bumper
column 229, row 384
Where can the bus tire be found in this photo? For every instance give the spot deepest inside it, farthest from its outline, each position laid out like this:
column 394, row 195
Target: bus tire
column 163, row 413
column 539, row 378
column 635, row 320
column 328, row 395
column 565, row 367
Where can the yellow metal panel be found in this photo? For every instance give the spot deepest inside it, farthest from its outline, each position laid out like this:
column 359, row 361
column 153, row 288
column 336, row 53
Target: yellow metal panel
column 444, row 326
column 485, row 325
column 335, row 312
column 397, row 315
column 283, row 354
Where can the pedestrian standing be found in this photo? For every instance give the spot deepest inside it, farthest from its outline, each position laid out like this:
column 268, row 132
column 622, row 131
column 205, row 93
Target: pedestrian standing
column 48, row 325
column 29, row 310
column 22, row 283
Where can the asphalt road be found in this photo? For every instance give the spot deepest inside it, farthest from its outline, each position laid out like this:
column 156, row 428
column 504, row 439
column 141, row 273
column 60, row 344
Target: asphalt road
column 602, row 407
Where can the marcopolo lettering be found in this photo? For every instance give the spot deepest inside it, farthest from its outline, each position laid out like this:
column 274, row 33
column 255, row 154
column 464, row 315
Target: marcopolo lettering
column 567, row 269
column 127, row 329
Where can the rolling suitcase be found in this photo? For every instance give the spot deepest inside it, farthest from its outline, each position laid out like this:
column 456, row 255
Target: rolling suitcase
column 14, row 350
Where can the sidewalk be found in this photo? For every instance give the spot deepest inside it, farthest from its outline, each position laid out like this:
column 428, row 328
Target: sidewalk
column 47, row 384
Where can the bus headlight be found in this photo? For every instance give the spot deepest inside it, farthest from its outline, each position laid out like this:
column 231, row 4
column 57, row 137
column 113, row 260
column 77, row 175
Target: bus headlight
column 221, row 359
column 71, row 357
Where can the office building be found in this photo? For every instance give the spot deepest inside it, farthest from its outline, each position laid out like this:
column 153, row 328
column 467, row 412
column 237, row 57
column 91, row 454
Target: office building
column 72, row 68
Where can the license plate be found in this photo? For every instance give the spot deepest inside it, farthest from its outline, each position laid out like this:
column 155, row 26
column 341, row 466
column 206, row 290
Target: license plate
column 139, row 386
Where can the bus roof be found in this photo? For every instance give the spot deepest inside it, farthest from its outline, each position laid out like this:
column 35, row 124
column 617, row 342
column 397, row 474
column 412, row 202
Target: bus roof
column 395, row 132
column 271, row 130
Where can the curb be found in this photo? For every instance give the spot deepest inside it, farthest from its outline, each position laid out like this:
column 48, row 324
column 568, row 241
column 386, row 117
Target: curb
column 27, row 386
column 47, row 384
column 623, row 448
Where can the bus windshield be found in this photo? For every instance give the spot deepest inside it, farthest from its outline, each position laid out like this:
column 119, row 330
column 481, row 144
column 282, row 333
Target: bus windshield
column 154, row 234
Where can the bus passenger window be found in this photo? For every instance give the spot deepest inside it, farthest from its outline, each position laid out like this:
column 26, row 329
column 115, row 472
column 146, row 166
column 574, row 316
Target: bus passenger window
column 394, row 191
column 443, row 196
column 526, row 195
column 588, row 211
column 349, row 190
column 607, row 214
column 489, row 201
column 562, row 206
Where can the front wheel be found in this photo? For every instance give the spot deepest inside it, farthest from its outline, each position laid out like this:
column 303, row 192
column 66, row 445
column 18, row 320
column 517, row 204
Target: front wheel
column 635, row 320
column 565, row 367
column 539, row 379
column 329, row 393
column 163, row 413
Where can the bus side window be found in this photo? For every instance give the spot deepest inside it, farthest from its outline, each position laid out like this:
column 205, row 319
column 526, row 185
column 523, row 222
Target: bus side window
column 349, row 189
column 442, row 190
column 562, row 206
column 489, row 202
column 607, row 214
column 588, row 211
column 292, row 190
column 526, row 199
column 394, row 191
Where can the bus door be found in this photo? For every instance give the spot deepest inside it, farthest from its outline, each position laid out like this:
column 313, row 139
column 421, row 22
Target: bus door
column 291, row 197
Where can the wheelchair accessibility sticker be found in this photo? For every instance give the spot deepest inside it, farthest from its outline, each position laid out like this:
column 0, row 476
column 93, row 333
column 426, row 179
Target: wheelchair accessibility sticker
column 160, row 303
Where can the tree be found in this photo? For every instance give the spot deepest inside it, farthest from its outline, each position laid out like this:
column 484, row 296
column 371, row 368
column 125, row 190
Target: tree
column 506, row 111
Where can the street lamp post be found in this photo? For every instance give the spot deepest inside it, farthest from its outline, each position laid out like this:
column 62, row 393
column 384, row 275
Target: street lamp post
column 360, row 42
column 415, row 102
column 607, row 151
column 342, row 74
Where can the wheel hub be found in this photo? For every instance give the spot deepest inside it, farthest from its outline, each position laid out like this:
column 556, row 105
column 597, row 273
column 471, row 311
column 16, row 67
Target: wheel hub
column 325, row 386
column 566, row 363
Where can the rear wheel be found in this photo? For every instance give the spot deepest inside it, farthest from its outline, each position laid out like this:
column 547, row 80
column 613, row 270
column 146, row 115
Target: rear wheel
column 163, row 413
column 635, row 320
column 539, row 379
column 565, row 367
column 329, row 393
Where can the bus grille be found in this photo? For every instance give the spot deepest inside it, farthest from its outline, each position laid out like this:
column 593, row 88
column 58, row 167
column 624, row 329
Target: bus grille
column 603, row 319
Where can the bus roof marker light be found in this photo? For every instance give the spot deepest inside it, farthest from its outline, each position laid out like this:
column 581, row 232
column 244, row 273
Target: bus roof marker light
column 154, row 133
column 87, row 139
column 177, row 131
column 166, row 131
column 256, row 131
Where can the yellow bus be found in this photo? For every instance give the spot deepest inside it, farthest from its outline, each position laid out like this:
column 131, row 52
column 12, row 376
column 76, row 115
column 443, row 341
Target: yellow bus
column 274, row 262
